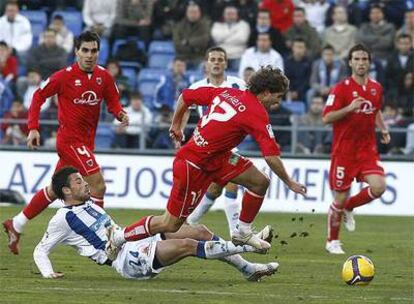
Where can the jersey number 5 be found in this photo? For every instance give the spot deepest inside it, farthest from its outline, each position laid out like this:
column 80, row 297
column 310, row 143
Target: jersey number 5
column 229, row 112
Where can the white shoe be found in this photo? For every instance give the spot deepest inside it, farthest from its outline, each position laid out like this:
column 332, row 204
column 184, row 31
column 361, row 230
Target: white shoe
column 111, row 247
column 349, row 220
column 261, row 270
column 249, row 238
column 266, row 234
column 334, row 247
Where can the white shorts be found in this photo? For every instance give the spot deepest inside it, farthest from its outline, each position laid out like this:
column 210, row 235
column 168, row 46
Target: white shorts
column 135, row 259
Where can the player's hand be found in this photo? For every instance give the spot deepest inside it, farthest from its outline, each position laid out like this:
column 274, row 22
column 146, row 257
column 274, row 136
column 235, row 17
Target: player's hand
column 386, row 137
column 177, row 136
column 56, row 275
column 297, row 187
column 124, row 119
column 33, row 139
column 356, row 104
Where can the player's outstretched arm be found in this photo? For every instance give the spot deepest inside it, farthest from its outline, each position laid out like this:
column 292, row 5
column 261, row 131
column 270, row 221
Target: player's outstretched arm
column 341, row 113
column 276, row 164
column 379, row 121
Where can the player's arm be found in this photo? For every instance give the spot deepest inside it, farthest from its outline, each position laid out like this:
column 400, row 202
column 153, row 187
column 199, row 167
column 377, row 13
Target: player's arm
column 336, row 115
column 54, row 235
column 176, row 129
column 385, row 134
column 47, row 89
column 111, row 95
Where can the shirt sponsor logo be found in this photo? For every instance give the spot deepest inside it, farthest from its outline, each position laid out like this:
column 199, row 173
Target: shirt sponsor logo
column 87, row 98
column 199, row 139
column 78, row 83
column 270, row 131
column 366, row 108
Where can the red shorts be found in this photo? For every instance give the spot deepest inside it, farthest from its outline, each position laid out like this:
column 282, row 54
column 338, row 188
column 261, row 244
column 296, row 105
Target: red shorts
column 190, row 182
column 77, row 155
column 344, row 170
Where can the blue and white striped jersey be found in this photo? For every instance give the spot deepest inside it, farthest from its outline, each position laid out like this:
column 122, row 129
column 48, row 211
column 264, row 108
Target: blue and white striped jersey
column 82, row 227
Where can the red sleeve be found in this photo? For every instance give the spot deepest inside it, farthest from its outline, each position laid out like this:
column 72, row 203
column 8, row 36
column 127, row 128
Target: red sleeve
column 48, row 88
column 111, row 96
column 335, row 100
column 260, row 128
column 202, row 96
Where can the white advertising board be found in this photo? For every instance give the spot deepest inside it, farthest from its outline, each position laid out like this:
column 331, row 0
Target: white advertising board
column 144, row 182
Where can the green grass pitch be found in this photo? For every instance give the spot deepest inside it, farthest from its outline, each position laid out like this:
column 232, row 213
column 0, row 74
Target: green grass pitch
column 307, row 274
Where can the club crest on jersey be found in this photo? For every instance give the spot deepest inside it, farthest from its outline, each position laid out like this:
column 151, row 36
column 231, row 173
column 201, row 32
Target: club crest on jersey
column 99, row 80
column 78, row 83
column 87, row 98
column 373, row 92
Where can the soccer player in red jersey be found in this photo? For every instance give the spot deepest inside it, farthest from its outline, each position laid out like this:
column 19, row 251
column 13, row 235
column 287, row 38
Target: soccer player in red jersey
column 207, row 156
column 354, row 109
column 80, row 88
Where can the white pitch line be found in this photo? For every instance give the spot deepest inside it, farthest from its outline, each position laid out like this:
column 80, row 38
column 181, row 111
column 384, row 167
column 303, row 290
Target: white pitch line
column 222, row 293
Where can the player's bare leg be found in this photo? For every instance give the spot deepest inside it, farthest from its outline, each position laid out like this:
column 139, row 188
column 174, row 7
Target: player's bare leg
column 333, row 245
column 256, row 184
column 376, row 187
column 213, row 192
column 98, row 188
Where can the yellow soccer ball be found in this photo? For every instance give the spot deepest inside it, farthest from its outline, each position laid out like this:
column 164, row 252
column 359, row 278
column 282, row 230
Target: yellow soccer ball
column 358, row 270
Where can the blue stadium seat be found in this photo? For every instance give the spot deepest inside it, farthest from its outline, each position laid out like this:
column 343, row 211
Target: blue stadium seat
column 103, row 52
column 130, row 64
column 104, row 136
column 151, row 74
column 161, row 47
column 194, row 75
column 38, row 21
column 131, row 74
column 148, row 89
column 296, row 107
column 160, row 61
column 119, row 42
column 73, row 20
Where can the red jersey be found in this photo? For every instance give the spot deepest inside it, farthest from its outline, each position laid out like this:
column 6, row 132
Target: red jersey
column 232, row 114
column 354, row 135
column 80, row 95
column 281, row 13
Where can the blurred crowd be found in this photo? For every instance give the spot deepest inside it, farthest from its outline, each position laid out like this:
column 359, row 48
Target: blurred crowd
column 155, row 48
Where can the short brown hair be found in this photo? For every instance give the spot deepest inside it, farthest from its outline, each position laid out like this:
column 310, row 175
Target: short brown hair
column 216, row 49
column 359, row 47
column 268, row 79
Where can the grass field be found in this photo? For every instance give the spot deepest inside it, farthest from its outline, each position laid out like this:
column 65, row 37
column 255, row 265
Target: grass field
column 307, row 273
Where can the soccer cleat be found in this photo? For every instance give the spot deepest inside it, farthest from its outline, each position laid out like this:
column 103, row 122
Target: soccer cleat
column 266, row 234
column 334, row 247
column 13, row 236
column 261, row 270
column 111, row 248
column 349, row 220
column 249, row 238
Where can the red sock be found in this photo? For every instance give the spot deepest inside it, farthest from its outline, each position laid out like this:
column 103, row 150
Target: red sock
column 363, row 197
column 334, row 221
column 138, row 230
column 251, row 204
column 98, row 200
column 38, row 203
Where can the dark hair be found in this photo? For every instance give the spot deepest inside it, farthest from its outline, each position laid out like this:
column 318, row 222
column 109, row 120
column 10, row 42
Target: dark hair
column 359, row 47
column 87, row 36
column 3, row 43
column 58, row 17
column 376, row 6
column 12, row 2
column 136, row 95
column 268, row 78
column 263, row 10
column 300, row 9
column 299, row 39
column 400, row 36
column 328, row 47
column 216, row 49
column 61, row 179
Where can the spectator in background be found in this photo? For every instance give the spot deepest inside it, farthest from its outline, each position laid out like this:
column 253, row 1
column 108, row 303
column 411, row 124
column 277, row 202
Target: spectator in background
column 64, row 37
column 316, row 11
column 326, row 72
column 99, row 15
column 261, row 55
column 6, row 96
column 247, row 73
column 376, row 70
column 26, row 86
column 15, row 29
column 232, row 35
column 191, row 36
column 139, row 117
column 403, row 96
column 281, row 12
column 15, row 133
column 247, row 10
column 282, row 117
column 377, row 34
column 160, row 135
column 48, row 57
column 408, row 26
column 133, row 17
column 121, row 80
column 399, row 63
column 341, row 34
column 302, row 29
column 312, row 141
column 263, row 25
column 171, row 85
column 8, row 63
column 298, row 70
column 166, row 14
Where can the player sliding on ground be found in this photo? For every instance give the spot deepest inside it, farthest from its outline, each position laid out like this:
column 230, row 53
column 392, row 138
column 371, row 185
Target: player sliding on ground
column 207, row 156
column 86, row 227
